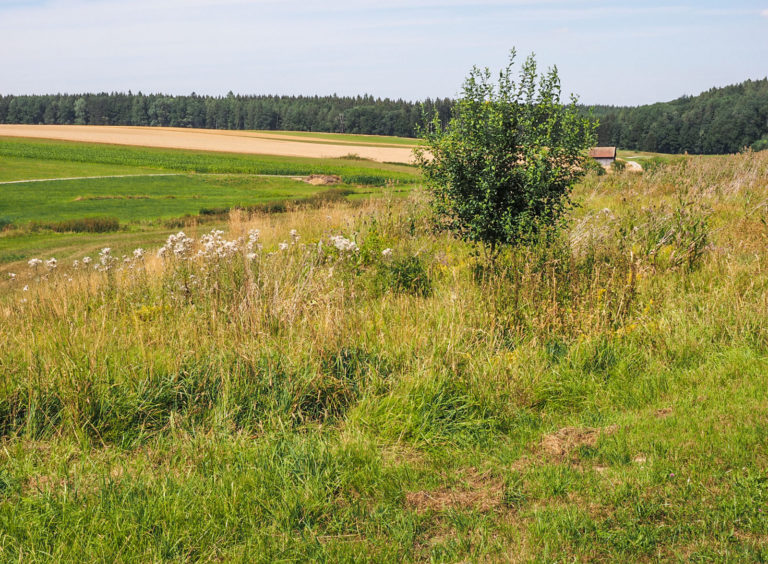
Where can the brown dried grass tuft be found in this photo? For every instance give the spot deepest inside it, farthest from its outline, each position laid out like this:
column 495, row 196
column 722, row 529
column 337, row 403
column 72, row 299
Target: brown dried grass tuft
column 561, row 444
column 476, row 491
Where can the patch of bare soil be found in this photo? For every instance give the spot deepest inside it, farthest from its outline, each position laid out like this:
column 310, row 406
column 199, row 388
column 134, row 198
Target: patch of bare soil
column 322, row 179
column 476, row 491
column 561, row 444
column 664, row 412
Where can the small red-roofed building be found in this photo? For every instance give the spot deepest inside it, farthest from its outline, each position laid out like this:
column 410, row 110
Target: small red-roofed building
column 603, row 155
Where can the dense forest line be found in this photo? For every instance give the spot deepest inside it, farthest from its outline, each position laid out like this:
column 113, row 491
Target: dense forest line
column 721, row 120
column 360, row 114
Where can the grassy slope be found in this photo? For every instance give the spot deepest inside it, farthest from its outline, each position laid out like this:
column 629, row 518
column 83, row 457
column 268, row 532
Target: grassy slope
column 596, row 404
column 161, row 197
column 15, row 168
column 142, row 198
column 354, row 171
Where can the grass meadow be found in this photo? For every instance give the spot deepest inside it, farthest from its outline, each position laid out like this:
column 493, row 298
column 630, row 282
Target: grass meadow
column 352, row 171
column 347, row 383
column 140, row 198
column 160, row 189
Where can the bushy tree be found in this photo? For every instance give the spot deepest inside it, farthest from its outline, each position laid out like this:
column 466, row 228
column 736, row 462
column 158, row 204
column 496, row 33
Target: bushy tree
column 81, row 112
column 505, row 163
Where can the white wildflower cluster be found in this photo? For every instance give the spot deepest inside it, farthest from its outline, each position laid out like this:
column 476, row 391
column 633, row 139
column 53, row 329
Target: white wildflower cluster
column 50, row 264
column 253, row 240
column 283, row 246
column 294, row 236
column 177, row 246
column 343, row 244
column 106, row 260
column 216, row 247
column 134, row 260
column 252, row 244
column 386, row 253
column 87, row 261
column 212, row 246
column 12, row 276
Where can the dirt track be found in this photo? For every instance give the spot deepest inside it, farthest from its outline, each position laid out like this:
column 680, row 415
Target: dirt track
column 206, row 140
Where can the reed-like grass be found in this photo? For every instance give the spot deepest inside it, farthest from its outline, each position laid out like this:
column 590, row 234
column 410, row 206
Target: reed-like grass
column 598, row 398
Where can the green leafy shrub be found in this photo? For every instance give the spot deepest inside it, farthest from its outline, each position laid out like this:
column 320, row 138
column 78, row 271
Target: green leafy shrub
column 84, row 225
column 329, row 196
column 407, row 275
column 591, row 165
column 320, row 199
column 760, row 144
column 214, row 211
column 505, row 163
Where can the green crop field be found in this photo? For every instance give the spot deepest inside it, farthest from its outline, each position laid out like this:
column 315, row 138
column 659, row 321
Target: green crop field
column 138, row 198
column 349, row 383
column 20, row 168
column 351, row 171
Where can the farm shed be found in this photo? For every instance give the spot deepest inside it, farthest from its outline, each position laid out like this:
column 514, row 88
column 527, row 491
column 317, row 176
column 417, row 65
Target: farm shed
column 604, row 155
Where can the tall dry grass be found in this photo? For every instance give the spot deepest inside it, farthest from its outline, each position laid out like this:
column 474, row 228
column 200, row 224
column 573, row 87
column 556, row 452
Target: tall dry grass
column 325, row 360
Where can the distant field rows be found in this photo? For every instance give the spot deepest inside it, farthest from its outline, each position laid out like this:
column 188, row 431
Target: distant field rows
column 247, row 142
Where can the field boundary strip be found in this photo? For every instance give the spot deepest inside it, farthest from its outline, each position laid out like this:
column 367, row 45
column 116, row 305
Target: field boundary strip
column 88, row 177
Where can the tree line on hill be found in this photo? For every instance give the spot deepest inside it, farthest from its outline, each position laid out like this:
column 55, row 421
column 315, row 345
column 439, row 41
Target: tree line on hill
column 721, row 120
column 360, row 114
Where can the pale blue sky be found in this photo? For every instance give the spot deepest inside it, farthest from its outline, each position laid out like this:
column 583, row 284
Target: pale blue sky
column 606, row 52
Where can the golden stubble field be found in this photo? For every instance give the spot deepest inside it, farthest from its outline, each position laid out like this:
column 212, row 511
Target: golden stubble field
column 248, row 142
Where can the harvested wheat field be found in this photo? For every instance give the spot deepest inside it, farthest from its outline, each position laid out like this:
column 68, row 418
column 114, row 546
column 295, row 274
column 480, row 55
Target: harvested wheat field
column 209, row 140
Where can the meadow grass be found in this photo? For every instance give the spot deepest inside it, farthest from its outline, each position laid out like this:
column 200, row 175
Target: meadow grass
column 18, row 246
column 20, row 168
column 205, row 181
column 143, row 197
column 598, row 398
column 351, row 171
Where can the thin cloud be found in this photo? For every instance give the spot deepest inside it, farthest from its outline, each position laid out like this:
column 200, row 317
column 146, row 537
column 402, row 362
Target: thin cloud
column 397, row 48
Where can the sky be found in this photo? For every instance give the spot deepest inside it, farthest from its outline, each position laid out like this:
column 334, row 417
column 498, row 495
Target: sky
column 618, row 53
